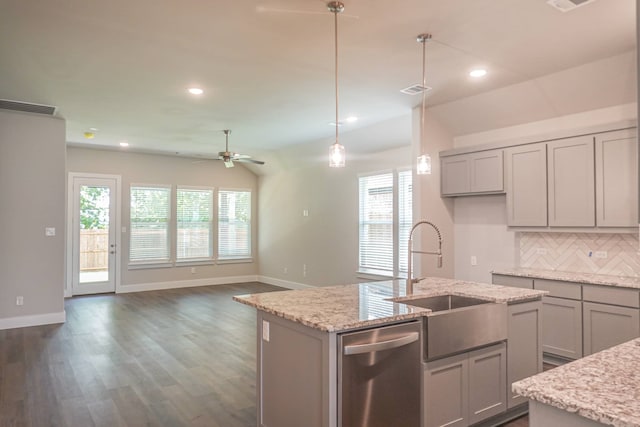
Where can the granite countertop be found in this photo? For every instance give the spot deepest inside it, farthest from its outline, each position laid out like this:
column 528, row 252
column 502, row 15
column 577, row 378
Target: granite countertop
column 604, row 387
column 590, row 278
column 345, row 307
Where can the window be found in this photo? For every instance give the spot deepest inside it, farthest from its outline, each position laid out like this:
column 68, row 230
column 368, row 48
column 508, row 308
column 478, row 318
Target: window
column 149, row 228
column 234, row 224
column 385, row 220
column 194, row 218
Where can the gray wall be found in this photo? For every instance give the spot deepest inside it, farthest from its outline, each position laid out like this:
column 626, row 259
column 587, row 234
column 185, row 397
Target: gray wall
column 141, row 168
column 32, row 189
column 326, row 240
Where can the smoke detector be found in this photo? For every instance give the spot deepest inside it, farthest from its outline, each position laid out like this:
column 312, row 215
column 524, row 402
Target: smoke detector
column 567, row 5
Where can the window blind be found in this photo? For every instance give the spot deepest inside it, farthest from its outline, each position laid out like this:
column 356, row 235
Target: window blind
column 149, row 227
column 376, row 222
column 234, row 224
column 405, row 217
column 194, row 218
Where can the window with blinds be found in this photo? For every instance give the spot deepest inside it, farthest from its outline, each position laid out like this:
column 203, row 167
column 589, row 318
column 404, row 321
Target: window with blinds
column 405, row 217
column 376, row 223
column 149, row 226
column 385, row 220
column 234, row 224
column 194, row 223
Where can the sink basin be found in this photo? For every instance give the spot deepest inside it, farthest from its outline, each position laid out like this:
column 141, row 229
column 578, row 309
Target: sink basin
column 458, row 324
column 445, row 302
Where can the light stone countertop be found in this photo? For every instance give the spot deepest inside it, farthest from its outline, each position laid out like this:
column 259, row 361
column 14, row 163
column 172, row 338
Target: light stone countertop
column 604, row 387
column 346, row 307
column 567, row 276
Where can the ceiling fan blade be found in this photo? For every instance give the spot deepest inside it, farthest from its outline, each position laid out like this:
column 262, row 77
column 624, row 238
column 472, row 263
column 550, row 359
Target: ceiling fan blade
column 275, row 10
column 247, row 160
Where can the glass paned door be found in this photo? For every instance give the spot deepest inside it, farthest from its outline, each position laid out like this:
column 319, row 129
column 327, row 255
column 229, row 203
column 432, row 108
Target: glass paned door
column 94, row 251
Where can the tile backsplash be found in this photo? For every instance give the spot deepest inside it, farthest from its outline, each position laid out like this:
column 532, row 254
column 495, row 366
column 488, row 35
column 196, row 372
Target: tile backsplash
column 581, row 252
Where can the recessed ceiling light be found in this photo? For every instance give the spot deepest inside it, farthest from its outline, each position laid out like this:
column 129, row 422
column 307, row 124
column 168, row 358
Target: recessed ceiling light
column 93, row 129
column 478, row 72
column 195, row 91
column 124, row 144
column 351, row 119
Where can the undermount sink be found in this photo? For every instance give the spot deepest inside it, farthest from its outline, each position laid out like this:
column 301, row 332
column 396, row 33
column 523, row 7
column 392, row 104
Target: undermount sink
column 459, row 324
column 445, row 302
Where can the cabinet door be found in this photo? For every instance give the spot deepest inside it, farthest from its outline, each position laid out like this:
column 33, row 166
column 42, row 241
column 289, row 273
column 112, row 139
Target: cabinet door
column 562, row 327
column 526, row 185
column 524, row 346
column 487, row 172
column 608, row 325
column 617, row 179
column 571, row 182
column 487, row 382
column 455, row 174
column 446, row 391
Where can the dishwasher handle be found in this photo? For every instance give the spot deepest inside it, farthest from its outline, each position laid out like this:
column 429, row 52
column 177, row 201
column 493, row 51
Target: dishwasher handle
column 382, row 345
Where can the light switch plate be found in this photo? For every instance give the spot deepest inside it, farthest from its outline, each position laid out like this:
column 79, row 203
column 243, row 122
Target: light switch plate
column 265, row 330
column 50, row 231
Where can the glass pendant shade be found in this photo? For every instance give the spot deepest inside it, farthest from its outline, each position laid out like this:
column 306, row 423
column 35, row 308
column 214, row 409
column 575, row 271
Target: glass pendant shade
column 424, row 165
column 336, row 156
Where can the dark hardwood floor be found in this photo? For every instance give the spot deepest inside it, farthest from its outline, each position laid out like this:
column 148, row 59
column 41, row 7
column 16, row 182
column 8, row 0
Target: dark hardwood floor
column 183, row 357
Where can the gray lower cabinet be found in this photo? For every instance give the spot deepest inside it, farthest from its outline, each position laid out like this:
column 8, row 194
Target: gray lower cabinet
column 467, row 388
column 562, row 327
column 524, row 348
column 608, row 325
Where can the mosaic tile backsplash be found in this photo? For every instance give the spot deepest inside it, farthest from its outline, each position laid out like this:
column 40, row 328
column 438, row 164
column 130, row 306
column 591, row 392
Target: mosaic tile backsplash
column 581, row 252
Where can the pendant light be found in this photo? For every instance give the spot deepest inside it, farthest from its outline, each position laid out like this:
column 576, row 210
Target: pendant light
column 336, row 152
column 424, row 161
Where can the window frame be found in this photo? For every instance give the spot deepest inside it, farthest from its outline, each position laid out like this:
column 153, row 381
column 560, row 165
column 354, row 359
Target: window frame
column 248, row 257
column 152, row 263
column 397, row 246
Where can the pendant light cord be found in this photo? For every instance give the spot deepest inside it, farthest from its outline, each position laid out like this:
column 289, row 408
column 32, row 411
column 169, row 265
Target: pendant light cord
column 423, row 39
column 335, row 15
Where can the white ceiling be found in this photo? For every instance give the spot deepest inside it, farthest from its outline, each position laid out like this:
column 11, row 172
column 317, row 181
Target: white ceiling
column 267, row 65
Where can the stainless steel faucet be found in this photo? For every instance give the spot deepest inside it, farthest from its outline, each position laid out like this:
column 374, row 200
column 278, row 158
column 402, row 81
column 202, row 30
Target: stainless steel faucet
column 410, row 279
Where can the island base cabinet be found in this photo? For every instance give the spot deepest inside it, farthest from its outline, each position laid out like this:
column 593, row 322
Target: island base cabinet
column 465, row 389
column 294, row 365
column 524, row 346
column 608, row 325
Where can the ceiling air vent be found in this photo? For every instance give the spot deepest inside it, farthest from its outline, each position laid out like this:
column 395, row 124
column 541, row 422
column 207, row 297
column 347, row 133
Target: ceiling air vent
column 27, row 107
column 415, row 89
column 567, row 5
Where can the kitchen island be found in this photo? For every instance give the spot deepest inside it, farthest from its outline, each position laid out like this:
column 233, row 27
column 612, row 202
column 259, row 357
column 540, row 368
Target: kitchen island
column 299, row 351
column 601, row 389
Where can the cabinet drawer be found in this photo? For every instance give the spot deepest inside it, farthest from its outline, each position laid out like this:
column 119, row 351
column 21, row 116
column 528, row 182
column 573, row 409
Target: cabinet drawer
column 515, row 281
column 611, row 295
column 559, row 289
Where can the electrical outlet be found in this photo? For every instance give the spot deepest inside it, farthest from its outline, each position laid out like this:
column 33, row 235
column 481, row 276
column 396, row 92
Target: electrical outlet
column 49, row 231
column 600, row 254
column 193, row 270
column 305, row 212
column 285, row 270
column 304, row 270
column 474, row 260
column 20, row 300
column 541, row 251
column 265, row 330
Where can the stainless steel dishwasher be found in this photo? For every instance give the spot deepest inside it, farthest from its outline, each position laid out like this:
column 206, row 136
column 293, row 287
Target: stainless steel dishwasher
column 379, row 377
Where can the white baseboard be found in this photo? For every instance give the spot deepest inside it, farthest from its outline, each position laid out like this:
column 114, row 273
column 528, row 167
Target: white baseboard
column 157, row 286
column 33, row 320
column 283, row 283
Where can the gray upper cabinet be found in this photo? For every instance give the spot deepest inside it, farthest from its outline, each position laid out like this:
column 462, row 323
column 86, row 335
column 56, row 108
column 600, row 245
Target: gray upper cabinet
column 571, row 179
column 526, row 185
column 616, row 179
column 472, row 173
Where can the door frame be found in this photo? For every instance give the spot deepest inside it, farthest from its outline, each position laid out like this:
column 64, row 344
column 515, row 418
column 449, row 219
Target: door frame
column 71, row 176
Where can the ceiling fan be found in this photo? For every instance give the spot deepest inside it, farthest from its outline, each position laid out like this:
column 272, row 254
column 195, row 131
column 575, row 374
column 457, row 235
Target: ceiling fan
column 229, row 157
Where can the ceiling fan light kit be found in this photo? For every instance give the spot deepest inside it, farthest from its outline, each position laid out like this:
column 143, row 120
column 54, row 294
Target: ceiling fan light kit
column 336, row 151
column 423, row 166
